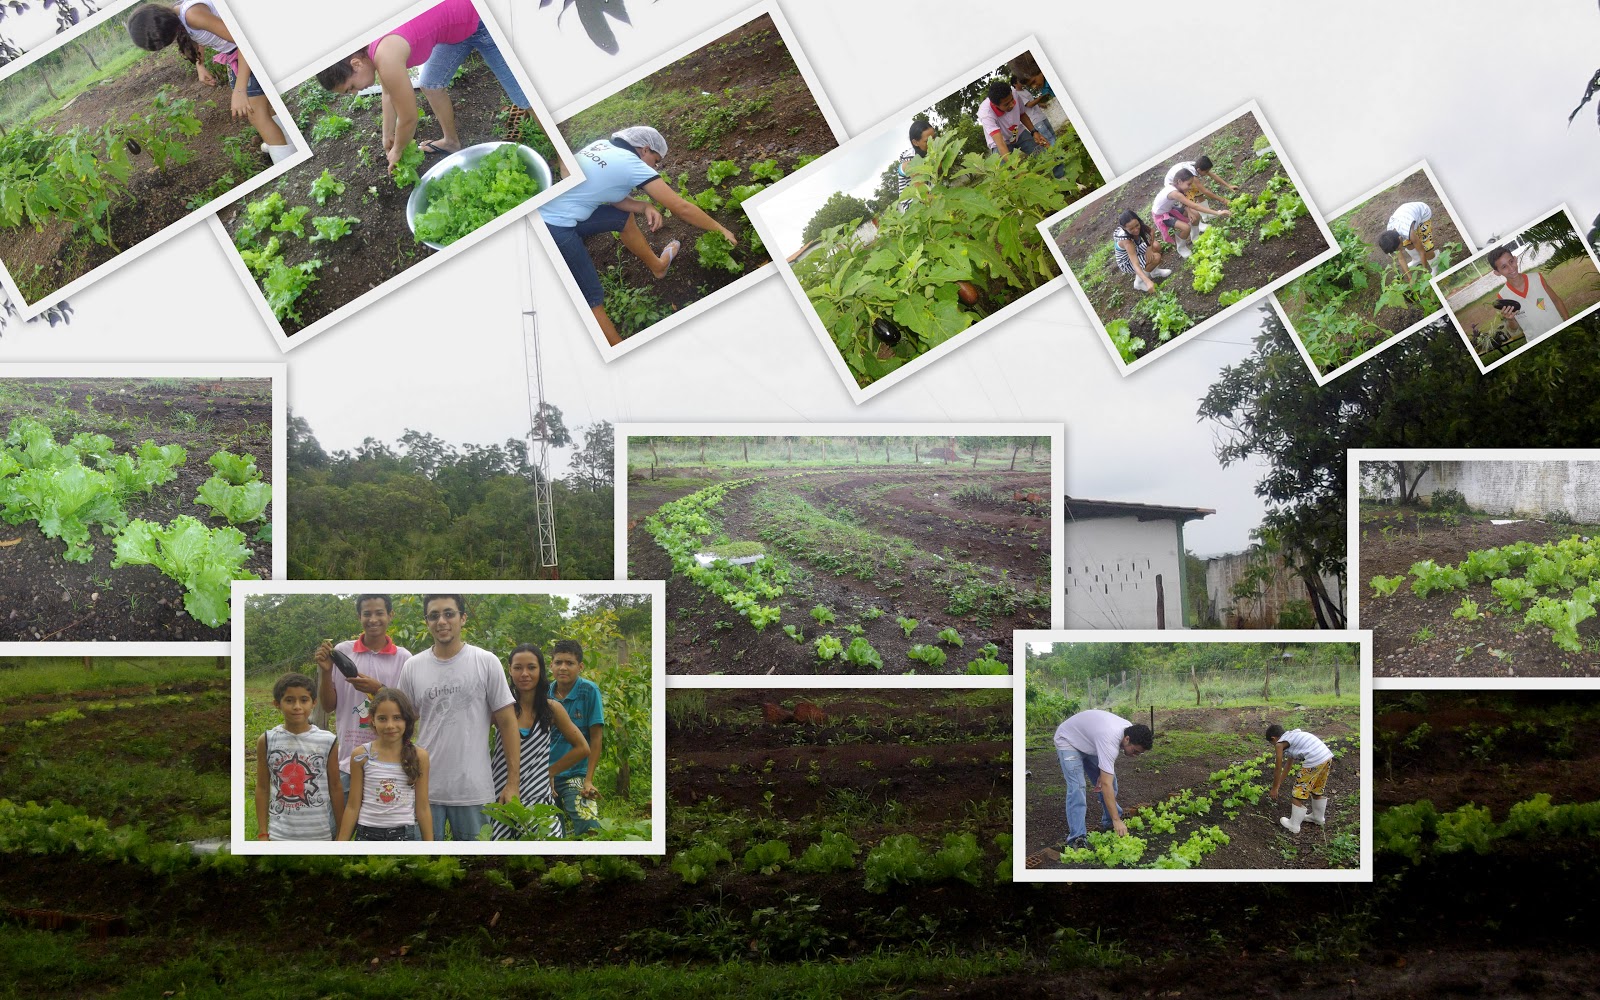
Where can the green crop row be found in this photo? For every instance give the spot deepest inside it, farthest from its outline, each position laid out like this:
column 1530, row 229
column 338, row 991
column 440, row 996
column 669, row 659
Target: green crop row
column 49, row 483
column 685, row 527
column 1419, row 829
column 1570, row 566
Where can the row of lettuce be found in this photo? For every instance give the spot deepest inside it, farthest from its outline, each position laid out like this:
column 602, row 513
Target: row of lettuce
column 1568, row 571
column 68, row 489
column 688, row 529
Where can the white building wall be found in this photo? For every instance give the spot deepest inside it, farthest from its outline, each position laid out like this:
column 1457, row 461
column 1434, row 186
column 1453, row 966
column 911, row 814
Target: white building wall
column 1111, row 568
column 1520, row 489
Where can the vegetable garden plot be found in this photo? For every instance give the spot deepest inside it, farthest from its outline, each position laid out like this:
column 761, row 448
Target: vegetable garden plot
column 737, row 115
column 1270, row 233
column 1344, row 308
column 1448, row 594
column 334, row 228
column 889, row 789
column 131, row 505
column 865, row 570
column 109, row 164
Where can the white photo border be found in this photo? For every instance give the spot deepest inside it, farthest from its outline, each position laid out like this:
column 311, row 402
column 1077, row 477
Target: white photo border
column 30, row 310
column 1456, row 321
column 276, row 373
column 1020, row 872
column 287, row 342
column 1393, row 338
column 754, row 206
column 608, row 353
column 655, row 846
column 1055, row 432
column 1238, row 308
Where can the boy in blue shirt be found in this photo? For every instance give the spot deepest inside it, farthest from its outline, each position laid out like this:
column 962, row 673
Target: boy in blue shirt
column 613, row 169
column 581, row 698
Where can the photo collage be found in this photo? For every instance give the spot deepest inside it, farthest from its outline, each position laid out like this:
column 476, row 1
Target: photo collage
column 1236, row 439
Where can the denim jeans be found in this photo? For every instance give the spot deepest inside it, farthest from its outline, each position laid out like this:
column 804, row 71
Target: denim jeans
column 572, row 242
column 1027, row 147
column 1082, row 772
column 446, row 59
column 465, row 821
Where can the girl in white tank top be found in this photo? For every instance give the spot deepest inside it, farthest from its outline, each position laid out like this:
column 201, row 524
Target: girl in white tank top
column 389, row 777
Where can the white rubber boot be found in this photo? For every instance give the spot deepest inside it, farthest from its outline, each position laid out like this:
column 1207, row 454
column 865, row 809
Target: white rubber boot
column 1291, row 822
column 1184, row 249
column 280, row 153
column 1141, row 284
column 1319, row 811
column 266, row 148
column 1161, row 272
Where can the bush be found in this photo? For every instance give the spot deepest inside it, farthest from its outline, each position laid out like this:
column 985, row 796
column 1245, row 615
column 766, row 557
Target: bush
column 1448, row 500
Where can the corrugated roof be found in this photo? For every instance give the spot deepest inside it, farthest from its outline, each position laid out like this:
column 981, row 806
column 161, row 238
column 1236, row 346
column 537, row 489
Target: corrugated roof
column 1083, row 510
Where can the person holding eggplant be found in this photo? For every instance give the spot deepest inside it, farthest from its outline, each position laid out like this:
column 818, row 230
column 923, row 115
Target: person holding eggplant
column 355, row 670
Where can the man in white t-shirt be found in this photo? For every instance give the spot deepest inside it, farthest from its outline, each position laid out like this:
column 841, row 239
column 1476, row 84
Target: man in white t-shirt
column 1410, row 229
column 1310, row 798
column 349, row 699
column 613, row 169
column 458, row 689
column 1006, row 126
column 1088, row 745
column 1542, row 309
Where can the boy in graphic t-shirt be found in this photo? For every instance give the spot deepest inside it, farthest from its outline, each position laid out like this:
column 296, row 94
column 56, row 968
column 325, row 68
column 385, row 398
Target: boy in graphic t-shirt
column 296, row 798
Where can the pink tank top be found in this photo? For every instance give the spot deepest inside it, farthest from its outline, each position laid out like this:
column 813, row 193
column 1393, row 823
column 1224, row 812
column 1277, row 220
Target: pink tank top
column 448, row 23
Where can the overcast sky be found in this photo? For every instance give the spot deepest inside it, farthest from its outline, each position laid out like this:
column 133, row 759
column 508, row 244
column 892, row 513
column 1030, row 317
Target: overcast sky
column 445, row 354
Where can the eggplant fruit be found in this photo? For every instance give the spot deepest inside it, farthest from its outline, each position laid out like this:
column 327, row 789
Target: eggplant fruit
column 133, row 147
column 968, row 293
column 886, row 331
column 346, row 665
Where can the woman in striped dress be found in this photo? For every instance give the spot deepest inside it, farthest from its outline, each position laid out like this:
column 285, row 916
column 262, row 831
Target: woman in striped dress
column 1131, row 243
column 538, row 715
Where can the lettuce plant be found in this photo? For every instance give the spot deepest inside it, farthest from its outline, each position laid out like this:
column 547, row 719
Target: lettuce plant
column 236, row 469
column 204, row 561
column 239, row 504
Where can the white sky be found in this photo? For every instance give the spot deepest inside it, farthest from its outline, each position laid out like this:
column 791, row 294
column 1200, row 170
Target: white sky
column 445, row 354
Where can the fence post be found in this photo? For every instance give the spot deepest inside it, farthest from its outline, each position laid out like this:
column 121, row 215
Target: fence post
column 1196, row 682
column 1336, row 678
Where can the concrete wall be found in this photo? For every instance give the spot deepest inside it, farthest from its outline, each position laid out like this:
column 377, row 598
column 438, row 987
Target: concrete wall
column 1111, row 568
column 1519, row 489
column 1223, row 572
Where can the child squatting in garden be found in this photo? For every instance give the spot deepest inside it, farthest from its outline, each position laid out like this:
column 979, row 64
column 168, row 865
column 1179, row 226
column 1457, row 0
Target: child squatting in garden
column 1411, row 230
column 1310, row 798
column 297, row 767
column 1173, row 207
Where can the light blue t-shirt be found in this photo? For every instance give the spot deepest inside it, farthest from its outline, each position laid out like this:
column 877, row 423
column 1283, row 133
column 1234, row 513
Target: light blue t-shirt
column 583, row 705
column 609, row 175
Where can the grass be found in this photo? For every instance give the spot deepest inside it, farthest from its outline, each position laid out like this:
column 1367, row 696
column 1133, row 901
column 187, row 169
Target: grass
column 1173, row 746
column 24, row 98
column 73, row 963
column 1575, row 281
column 36, row 675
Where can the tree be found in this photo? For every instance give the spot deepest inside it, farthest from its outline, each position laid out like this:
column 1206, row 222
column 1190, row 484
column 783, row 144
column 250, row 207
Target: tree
column 840, row 209
column 593, row 463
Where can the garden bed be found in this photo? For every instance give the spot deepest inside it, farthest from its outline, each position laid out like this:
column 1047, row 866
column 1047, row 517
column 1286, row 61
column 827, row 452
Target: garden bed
column 1421, row 637
column 45, row 597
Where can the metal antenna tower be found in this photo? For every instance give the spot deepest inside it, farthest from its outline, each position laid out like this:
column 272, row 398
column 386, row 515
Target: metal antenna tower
column 543, row 504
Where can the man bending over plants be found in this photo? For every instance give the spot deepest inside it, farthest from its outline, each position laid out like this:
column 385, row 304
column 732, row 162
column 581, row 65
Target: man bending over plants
column 613, row 169
column 1309, row 788
column 1088, row 745
column 439, row 40
column 1542, row 309
column 1410, row 229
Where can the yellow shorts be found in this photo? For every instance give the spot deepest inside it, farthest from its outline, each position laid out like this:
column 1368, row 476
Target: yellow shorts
column 1422, row 237
column 1312, row 780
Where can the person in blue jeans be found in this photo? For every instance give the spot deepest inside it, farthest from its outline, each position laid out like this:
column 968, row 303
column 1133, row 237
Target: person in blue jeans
column 579, row 799
column 613, row 168
column 1088, row 745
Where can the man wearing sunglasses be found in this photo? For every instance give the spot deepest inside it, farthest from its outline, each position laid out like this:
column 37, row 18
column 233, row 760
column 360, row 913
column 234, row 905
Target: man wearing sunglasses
column 458, row 689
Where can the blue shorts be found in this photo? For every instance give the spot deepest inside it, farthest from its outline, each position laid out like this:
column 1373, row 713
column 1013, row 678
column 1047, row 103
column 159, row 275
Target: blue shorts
column 445, row 59
column 252, row 87
column 570, row 240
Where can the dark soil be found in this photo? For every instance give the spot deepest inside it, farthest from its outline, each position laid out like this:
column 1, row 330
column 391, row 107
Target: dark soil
column 1370, row 219
column 1517, row 922
column 935, row 753
column 1231, row 149
column 749, row 63
column 44, row 597
column 42, row 262
column 1256, row 839
column 381, row 247
column 922, row 511
column 1418, row 637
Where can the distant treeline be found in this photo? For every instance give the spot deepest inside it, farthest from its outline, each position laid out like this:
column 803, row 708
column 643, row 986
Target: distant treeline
column 1004, row 452
column 423, row 509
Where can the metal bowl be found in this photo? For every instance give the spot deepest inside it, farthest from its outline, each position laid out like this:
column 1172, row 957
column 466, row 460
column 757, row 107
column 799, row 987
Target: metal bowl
column 469, row 157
